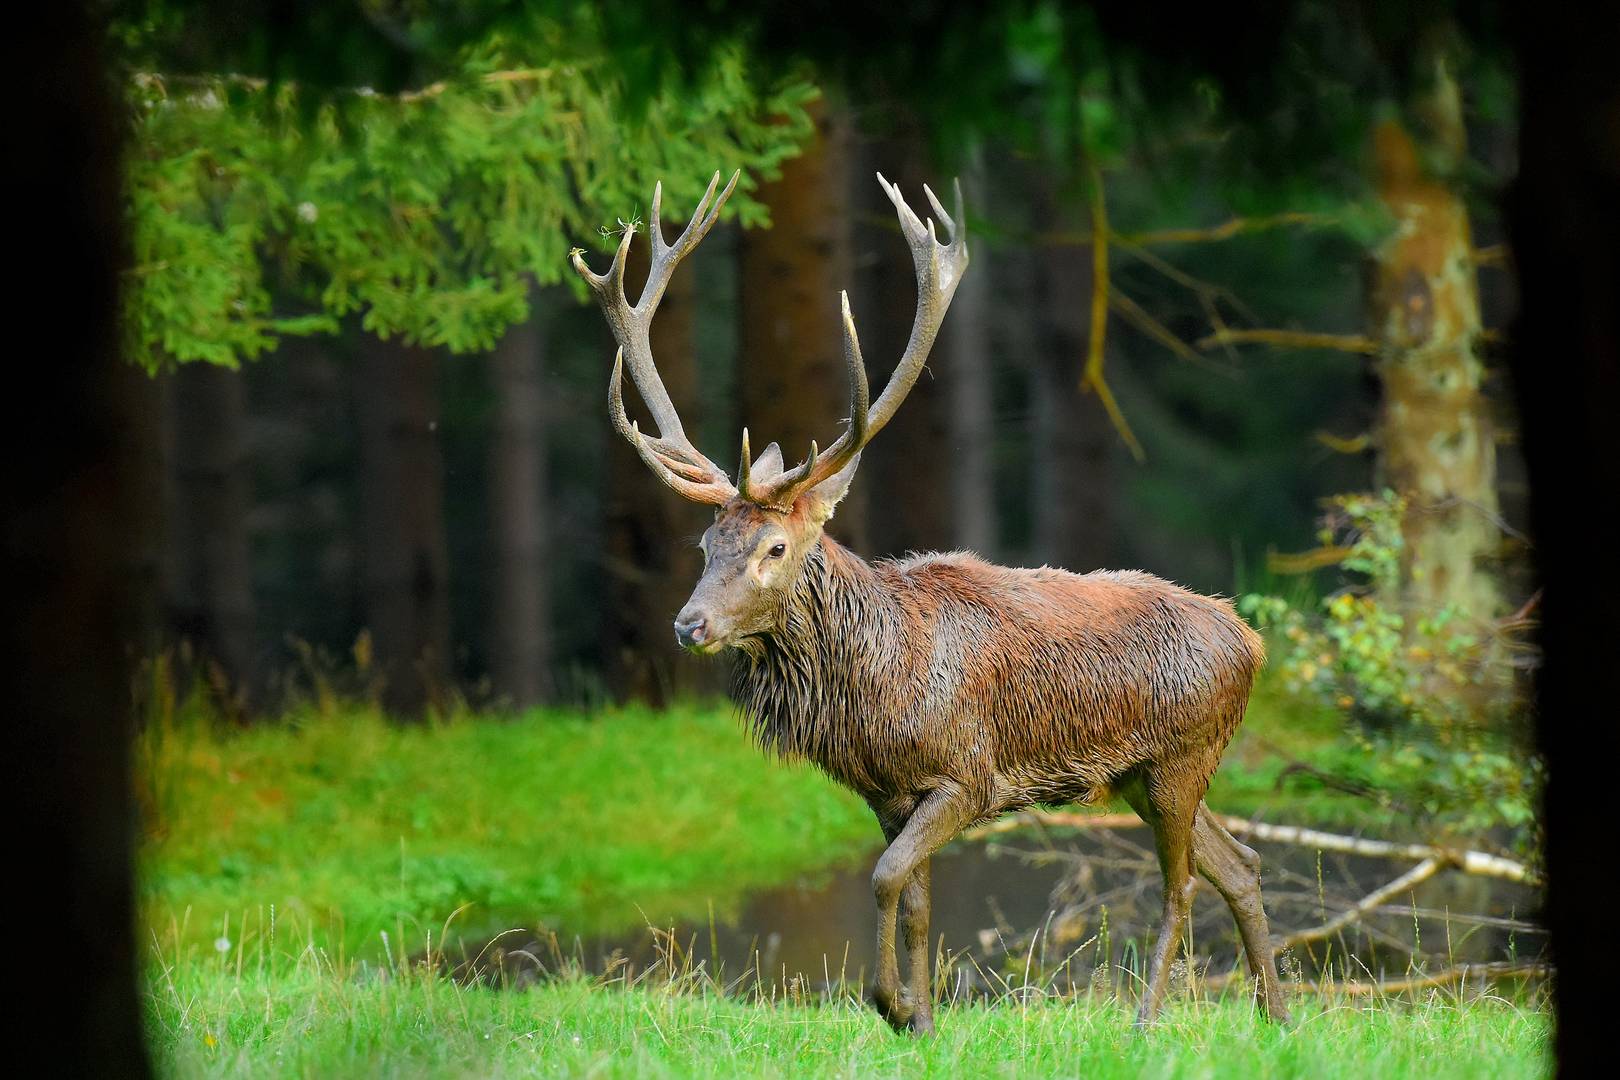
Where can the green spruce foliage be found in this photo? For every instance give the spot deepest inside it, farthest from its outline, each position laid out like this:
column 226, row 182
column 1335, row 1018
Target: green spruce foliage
column 261, row 209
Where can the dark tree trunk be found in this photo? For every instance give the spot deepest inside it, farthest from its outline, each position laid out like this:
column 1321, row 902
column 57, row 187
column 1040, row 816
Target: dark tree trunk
column 790, row 362
column 965, row 363
column 908, row 465
column 650, row 554
column 1072, row 441
column 1565, row 218
column 76, row 535
column 404, row 564
column 520, row 639
column 210, row 589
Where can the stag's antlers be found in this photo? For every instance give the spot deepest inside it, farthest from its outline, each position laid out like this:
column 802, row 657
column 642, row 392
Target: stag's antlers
column 671, row 455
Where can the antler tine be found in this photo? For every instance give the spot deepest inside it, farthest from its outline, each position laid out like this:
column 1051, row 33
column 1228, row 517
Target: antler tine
column 616, row 413
column 666, row 256
column 939, row 268
column 860, row 394
column 939, row 211
column 606, row 285
column 711, row 493
column 671, row 462
column 816, row 468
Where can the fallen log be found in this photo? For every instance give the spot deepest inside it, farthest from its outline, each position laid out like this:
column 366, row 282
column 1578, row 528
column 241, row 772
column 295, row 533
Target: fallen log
column 1467, row 861
column 1489, row 972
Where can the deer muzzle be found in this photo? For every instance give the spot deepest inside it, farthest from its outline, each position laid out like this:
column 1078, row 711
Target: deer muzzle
column 695, row 630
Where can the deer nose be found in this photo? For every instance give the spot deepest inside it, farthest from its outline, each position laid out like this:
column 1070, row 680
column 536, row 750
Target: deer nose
column 691, row 630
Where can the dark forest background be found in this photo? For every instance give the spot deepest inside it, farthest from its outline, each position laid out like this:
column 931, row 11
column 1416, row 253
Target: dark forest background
column 458, row 521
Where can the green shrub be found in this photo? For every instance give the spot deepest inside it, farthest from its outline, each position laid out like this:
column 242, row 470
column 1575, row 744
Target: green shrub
column 1441, row 732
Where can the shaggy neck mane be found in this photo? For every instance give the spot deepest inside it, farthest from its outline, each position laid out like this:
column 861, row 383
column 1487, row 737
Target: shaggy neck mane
column 800, row 686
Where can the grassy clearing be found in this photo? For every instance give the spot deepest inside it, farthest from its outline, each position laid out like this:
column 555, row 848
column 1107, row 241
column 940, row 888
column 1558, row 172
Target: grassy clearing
column 355, row 826
column 347, row 828
column 209, row 1021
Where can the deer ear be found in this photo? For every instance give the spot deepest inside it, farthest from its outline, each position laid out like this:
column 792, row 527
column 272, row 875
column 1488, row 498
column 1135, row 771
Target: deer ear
column 769, row 463
column 824, row 498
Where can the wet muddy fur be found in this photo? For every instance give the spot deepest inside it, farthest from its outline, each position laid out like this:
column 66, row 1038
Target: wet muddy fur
column 947, row 691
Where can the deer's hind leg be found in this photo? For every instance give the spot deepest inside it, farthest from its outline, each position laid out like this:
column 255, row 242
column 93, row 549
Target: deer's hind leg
column 1169, row 805
column 1234, row 869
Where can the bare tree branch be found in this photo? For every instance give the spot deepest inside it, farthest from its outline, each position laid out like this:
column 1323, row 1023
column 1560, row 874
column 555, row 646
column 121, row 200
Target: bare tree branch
column 1292, row 339
column 1211, row 234
column 1467, row 861
column 1414, row 877
column 1138, row 317
column 1303, row 562
column 1356, row 988
column 1355, row 444
column 1091, row 378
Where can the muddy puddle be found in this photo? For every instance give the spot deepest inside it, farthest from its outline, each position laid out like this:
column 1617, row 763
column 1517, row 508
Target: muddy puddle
column 1065, row 911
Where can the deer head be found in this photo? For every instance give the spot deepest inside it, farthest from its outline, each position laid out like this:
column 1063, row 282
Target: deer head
column 769, row 521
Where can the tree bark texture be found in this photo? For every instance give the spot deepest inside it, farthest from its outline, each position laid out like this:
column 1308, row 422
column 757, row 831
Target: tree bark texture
column 908, row 467
column 210, row 588
column 1072, row 439
column 790, row 365
column 520, row 640
column 404, row 562
column 1435, row 439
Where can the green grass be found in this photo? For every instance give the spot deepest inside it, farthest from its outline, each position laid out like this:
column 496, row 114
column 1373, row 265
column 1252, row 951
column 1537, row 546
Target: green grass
column 275, row 859
column 211, row 1022
column 1258, row 775
column 355, row 826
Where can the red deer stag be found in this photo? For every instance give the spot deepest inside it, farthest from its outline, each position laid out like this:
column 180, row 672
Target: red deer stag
column 945, row 690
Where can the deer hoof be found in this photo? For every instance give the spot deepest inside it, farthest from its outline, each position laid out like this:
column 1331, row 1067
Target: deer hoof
column 922, row 1023
column 903, row 1009
column 895, row 1007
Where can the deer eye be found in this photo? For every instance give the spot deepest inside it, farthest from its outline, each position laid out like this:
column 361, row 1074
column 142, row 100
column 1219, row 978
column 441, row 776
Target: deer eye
column 777, row 551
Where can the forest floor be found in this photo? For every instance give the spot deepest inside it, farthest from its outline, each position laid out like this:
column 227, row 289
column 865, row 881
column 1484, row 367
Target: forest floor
column 289, row 870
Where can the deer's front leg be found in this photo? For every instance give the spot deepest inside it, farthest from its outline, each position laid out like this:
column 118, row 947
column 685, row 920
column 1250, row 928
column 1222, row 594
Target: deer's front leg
column 935, row 820
column 914, row 911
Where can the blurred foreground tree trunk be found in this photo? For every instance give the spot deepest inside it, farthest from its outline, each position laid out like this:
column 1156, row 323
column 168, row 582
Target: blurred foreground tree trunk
column 404, row 562
column 76, row 541
column 791, row 384
column 1564, row 217
column 1435, row 439
column 1072, row 439
column 210, row 589
column 520, row 639
column 650, row 557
